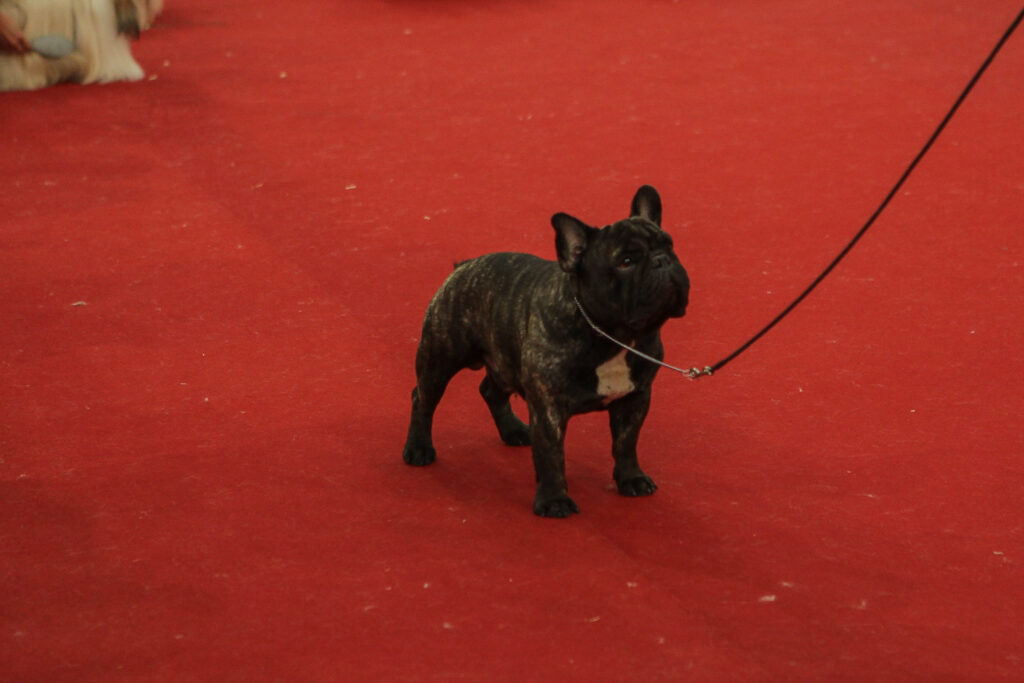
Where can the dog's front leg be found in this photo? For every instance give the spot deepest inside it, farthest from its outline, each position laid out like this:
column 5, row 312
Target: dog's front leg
column 547, row 436
column 626, row 416
column 127, row 18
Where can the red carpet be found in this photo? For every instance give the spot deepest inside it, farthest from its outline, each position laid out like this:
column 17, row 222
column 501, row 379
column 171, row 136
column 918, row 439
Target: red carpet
column 213, row 282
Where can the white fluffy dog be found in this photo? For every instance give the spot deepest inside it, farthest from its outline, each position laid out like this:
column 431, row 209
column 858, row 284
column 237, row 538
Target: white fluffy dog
column 99, row 29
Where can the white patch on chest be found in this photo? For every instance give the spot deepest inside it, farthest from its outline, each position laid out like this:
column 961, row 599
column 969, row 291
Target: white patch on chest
column 613, row 380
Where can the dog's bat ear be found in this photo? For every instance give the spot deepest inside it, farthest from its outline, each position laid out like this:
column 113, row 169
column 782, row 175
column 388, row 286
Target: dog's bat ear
column 647, row 204
column 571, row 238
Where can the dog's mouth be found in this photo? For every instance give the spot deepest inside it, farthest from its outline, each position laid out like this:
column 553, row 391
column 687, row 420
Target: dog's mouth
column 682, row 301
column 681, row 282
column 665, row 298
column 644, row 321
column 677, row 298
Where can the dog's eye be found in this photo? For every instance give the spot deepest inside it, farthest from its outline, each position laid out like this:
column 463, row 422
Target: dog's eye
column 626, row 262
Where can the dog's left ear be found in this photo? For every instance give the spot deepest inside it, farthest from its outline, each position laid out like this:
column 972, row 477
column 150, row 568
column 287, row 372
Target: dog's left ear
column 571, row 238
column 647, row 204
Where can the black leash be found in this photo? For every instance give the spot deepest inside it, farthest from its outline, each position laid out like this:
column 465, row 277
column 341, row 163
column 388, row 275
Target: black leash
column 694, row 373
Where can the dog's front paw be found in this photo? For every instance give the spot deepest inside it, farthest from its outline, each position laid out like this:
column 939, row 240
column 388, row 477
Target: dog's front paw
column 418, row 455
column 637, row 486
column 563, row 506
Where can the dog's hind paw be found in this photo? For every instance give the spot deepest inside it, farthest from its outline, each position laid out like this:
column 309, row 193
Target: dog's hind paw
column 637, row 486
column 516, row 434
column 419, row 456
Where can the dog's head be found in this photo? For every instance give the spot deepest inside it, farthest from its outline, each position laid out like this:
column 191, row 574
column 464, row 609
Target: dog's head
column 627, row 274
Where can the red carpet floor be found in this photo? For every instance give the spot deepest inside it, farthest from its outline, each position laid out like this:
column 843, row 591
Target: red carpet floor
column 212, row 286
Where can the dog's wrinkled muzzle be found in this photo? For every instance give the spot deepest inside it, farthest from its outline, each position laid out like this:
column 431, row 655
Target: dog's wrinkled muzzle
column 681, row 283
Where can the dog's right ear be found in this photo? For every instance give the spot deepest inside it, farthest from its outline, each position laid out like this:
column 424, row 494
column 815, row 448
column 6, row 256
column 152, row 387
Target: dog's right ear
column 571, row 238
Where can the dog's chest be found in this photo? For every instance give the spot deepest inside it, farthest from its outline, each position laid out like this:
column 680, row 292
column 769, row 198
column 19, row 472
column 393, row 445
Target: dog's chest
column 613, row 380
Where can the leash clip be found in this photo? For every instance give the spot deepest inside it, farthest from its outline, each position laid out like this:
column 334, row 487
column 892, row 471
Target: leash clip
column 697, row 373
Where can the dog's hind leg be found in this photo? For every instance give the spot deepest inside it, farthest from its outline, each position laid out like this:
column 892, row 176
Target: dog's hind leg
column 512, row 430
column 419, row 445
column 436, row 363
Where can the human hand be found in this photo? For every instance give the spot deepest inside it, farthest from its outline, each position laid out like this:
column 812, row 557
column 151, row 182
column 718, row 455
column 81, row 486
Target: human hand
column 11, row 37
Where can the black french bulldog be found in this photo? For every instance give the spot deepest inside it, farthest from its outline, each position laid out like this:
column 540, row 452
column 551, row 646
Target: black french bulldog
column 520, row 317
